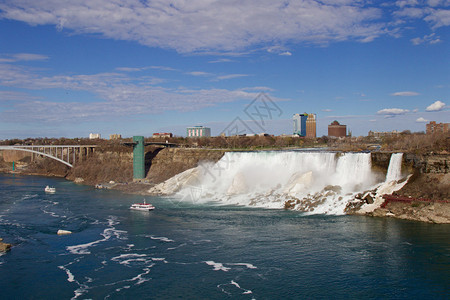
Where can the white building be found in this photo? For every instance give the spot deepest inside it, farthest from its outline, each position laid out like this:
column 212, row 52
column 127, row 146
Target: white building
column 198, row 131
column 93, row 136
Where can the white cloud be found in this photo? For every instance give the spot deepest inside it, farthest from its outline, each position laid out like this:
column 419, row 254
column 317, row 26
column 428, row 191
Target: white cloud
column 405, row 94
column 436, row 106
column 286, row 53
column 113, row 94
column 29, row 56
column 221, row 60
column 258, row 89
column 8, row 58
column 127, row 69
column 199, row 73
column 430, row 39
column 435, row 12
column 402, row 3
column 438, row 17
column 421, row 120
column 226, row 26
column 13, row 96
column 434, row 2
column 411, row 12
column 201, row 26
column 327, row 110
column 392, row 111
column 231, row 76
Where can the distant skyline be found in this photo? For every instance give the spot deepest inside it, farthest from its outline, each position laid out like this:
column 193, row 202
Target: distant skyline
column 134, row 67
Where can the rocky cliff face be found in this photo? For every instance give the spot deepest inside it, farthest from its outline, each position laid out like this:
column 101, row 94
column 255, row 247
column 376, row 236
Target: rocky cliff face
column 431, row 177
column 104, row 167
column 430, row 163
column 161, row 164
column 10, row 156
column 431, row 181
column 172, row 161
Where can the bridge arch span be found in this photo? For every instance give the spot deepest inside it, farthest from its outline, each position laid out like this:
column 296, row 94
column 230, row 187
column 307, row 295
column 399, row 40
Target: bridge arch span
column 42, row 152
column 37, row 152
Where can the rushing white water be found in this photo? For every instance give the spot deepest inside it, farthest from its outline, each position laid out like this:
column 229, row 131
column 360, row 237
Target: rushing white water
column 319, row 182
column 395, row 167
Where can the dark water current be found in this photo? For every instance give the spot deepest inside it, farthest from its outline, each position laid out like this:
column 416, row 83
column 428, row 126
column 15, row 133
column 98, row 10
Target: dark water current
column 192, row 251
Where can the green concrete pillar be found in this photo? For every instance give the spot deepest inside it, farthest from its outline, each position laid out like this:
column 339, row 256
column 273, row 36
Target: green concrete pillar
column 138, row 158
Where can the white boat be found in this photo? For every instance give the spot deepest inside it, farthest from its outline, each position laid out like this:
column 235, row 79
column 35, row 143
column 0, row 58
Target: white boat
column 142, row 206
column 50, row 189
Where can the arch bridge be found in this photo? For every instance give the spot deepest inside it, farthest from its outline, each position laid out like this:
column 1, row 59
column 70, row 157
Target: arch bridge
column 66, row 154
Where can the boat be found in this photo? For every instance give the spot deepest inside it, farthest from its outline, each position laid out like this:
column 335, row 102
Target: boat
column 142, row 206
column 49, row 189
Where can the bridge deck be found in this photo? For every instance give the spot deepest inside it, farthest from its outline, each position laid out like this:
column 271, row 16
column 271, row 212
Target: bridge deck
column 152, row 143
column 65, row 154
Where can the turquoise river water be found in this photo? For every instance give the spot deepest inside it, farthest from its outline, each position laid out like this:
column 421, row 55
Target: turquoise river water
column 205, row 251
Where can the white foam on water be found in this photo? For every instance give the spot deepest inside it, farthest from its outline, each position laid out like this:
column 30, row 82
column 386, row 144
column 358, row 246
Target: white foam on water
column 239, row 287
column 226, row 288
column 107, row 234
column 129, row 247
column 249, row 266
column 82, row 288
column 53, row 214
column 140, row 277
column 161, row 238
column 70, row 277
column 83, row 248
column 28, row 196
column 179, row 246
column 128, row 256
column 158, row 259
column 217, row 266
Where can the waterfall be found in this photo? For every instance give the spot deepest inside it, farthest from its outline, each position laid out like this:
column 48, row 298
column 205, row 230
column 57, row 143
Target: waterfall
column 318, row 182
column 395, row 167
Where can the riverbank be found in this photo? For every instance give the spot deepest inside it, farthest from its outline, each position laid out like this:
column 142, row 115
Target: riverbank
column 113, row 170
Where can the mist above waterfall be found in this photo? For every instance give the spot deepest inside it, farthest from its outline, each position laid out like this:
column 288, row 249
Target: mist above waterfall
column 318, row 182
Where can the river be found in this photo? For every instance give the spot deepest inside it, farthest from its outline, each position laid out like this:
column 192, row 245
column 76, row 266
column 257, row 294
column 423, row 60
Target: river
column 206, row 251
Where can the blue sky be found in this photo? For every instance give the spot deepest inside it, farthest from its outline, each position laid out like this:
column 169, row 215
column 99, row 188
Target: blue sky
column 69, row 68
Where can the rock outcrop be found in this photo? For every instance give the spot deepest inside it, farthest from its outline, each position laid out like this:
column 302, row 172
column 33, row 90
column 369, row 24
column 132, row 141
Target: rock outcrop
column 430, row 180
column 4, row 246
column 172, row 161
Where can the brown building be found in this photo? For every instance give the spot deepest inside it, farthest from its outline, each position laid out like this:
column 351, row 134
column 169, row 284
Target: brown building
column 311, row 126
column 434, row 127
column 379, row 134
column 337, row 130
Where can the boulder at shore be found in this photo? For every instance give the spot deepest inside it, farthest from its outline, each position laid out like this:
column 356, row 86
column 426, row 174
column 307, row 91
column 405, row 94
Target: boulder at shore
column 62, row 232
column 4, row 246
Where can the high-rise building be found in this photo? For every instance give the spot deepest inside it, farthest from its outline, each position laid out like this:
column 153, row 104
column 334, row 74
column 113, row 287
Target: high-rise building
column 434, row 127
column 198, row 131
column 311, row 126
column 296, row 122
column 337, row 130
column 300, row 121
